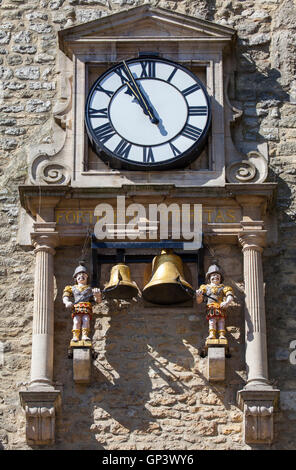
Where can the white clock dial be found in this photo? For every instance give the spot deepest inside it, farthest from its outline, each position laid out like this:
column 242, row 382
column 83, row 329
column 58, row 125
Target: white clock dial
column 132, row 124
column 148, row 114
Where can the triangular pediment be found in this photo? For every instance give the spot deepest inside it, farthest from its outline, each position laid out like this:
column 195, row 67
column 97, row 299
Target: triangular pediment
column 143, row 22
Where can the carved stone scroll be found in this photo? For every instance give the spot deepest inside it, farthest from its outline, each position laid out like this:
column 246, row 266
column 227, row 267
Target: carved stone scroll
column 252, row 169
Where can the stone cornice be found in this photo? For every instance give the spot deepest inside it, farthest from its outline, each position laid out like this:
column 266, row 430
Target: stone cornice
column 53, row 194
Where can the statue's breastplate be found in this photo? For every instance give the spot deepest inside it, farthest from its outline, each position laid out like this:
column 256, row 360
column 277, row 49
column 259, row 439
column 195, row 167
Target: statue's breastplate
column 215, row 293
column 82, row 296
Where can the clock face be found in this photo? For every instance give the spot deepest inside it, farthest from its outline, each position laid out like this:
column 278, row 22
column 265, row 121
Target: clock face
column 148, row 114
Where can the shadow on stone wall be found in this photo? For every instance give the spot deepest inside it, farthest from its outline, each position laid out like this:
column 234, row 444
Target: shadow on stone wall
column 122, row 369
column 258, row 93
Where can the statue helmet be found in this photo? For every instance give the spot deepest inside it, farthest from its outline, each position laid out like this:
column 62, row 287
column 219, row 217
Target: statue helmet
column 214, row 268
column 80, row 269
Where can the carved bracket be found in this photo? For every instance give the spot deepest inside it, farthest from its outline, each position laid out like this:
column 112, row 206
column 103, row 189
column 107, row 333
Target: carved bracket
column 259, row 407
column 40, row 409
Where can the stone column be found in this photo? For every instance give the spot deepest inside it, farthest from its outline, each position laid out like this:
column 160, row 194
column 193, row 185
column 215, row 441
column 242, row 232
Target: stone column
column 40, row 400
column 255, row 322
column 258, row 398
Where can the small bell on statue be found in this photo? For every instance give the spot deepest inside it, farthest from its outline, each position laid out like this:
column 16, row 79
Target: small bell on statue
column 120, row 285
column 167, row 285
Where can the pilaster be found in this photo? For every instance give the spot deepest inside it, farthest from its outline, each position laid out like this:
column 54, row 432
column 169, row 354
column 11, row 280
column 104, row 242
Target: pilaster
column 41, row 400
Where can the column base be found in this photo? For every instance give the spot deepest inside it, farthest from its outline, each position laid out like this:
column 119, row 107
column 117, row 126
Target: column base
column 40, row 406
column 258, row 404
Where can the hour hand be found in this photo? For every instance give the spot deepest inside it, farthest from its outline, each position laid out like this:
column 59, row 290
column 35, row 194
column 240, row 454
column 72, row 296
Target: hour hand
column 132, row 92
column 134, row 88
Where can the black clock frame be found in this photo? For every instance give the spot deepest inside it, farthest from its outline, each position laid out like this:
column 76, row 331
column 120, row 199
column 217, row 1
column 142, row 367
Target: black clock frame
column 119, row 163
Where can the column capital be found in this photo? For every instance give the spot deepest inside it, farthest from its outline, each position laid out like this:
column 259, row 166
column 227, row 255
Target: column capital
column 45, row 237
column 252, row 240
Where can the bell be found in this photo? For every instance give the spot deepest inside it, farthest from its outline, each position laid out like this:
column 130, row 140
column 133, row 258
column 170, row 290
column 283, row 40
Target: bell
column 120, row 285
column 167, row 285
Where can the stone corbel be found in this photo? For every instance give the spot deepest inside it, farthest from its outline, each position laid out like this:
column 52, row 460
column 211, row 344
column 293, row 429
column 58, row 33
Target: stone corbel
column 40, row 409
column 259, row 407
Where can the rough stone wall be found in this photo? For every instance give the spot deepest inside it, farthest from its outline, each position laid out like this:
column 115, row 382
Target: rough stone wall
column 166, row 403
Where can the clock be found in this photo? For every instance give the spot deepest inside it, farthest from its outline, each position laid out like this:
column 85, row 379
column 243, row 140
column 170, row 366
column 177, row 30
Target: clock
column 149, row 114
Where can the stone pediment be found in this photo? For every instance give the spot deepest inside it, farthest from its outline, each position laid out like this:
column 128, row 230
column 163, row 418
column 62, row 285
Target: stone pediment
column 140, row 23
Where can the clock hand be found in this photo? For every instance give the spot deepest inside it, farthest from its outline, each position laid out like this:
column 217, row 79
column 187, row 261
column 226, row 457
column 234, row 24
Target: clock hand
column 135, row 89
column 132, row 92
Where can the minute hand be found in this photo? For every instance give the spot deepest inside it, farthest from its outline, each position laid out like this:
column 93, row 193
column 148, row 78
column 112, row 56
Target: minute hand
column 135, row 89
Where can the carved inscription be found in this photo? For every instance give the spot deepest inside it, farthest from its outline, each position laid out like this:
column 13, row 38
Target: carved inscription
column 86, row 216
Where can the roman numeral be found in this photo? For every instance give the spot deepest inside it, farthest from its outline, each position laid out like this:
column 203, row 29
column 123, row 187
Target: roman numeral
column 148, row 69
column 191, row 132
column 104, row 132
column 98, row 113
column 123, row 77
column 175, row 151
column 172, row 75
column 191, row 89
column 198, row 110
column 100, row 88
column 148, row 156
column 123, row 148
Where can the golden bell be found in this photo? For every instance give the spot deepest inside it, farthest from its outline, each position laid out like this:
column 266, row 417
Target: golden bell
column 120, row 285
column 167, row 285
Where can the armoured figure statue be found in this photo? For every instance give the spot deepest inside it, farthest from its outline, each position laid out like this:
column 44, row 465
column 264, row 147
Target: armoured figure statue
column 217, row 297
column 80, row 298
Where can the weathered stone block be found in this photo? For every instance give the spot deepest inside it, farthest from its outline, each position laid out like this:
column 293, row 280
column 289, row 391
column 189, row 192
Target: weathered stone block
column 216, row 364
column 81, row 365
column 28, row 73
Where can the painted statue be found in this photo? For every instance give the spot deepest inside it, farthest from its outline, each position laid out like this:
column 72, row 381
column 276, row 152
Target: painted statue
column 217, row 297
column 80, row 299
